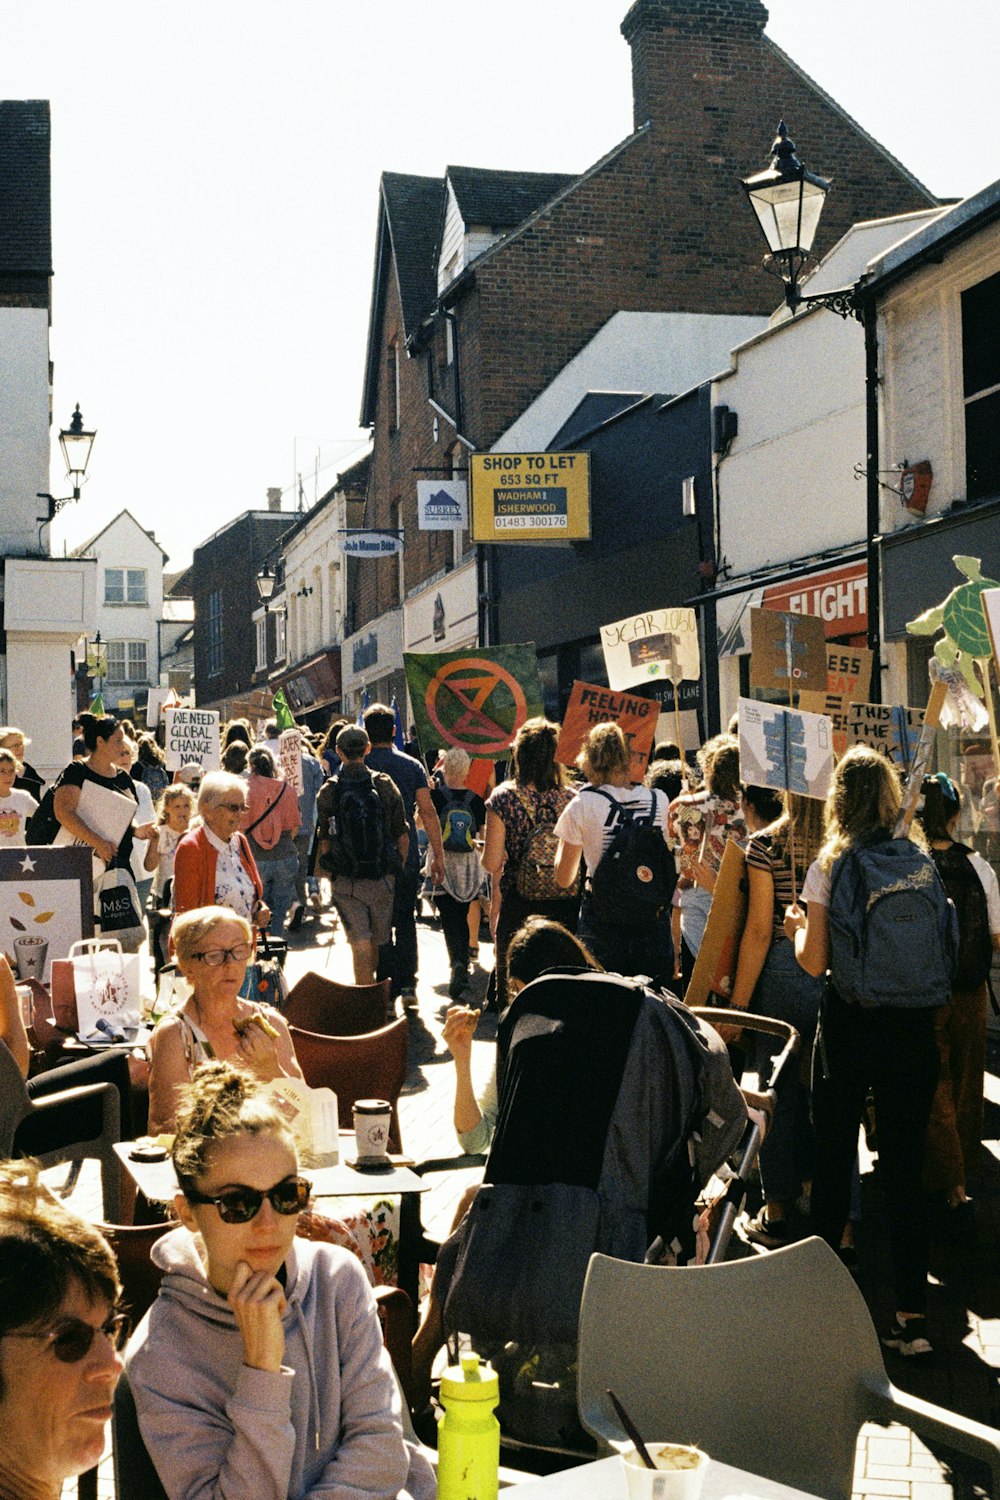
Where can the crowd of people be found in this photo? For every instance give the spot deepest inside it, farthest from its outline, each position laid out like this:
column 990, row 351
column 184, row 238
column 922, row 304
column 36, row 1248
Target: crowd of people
column 876, row 947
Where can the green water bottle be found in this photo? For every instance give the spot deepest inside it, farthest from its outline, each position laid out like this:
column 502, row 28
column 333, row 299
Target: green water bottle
column 469, row 1433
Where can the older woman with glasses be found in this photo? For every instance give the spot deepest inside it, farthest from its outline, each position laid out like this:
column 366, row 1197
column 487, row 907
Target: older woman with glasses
column 60, row 1332
column 213, row 947
column 260, row 1368
column 214, row 865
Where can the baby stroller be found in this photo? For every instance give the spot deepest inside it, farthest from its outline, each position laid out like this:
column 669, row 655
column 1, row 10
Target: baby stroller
column 617, row 1105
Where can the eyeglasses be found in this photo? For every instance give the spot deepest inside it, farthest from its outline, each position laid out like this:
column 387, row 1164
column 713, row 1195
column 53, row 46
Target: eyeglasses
column 216, row 957
column 238, row 1205
column 231, row 807
column 73, row 1339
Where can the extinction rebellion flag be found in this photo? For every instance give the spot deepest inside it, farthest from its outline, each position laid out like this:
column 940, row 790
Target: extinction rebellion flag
column 475, row 699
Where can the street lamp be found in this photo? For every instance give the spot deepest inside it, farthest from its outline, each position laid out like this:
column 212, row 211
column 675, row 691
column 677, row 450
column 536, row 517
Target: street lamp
column 265, row 586
column 76, row 443
column 788, row 201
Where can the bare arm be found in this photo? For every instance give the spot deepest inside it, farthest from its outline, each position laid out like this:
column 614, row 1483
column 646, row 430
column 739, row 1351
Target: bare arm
column 567, row 862
column 11, row 1022
column 429, row 818
column 811, row 936
column 494, row 844
column 459, row 1029
column 64, row 806
column 168, row 1071
column 756, row 940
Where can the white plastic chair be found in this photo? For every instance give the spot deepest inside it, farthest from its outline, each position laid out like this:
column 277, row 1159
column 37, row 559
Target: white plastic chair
column 770, row 1363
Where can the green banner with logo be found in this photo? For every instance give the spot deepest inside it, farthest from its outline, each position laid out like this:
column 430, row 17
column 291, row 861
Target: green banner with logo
column 476, row 699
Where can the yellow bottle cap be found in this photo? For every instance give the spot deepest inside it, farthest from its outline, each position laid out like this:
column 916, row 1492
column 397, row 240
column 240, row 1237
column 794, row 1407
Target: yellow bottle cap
column 471, row 1381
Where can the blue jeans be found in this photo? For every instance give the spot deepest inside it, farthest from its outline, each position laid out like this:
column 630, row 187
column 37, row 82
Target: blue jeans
column 278, row 879
column 787, row 993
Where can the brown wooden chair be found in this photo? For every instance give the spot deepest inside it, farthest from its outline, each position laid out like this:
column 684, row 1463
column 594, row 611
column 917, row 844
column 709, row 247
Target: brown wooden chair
column 318, row 1004
column 370, row 1066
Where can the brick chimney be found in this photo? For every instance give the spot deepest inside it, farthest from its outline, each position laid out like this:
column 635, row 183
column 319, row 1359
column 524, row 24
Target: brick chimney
column 274, row 498
column 679, row 42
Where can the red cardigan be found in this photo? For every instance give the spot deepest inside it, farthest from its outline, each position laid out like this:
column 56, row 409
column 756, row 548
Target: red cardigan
column 194, row 871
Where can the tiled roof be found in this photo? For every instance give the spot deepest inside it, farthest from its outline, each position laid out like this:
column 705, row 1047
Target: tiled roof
column 25, row 191
column 503, row 199
column 414, row 207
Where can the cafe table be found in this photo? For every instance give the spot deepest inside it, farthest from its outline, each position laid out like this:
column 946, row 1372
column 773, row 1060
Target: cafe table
column 604, row 1479
column 157, row 1180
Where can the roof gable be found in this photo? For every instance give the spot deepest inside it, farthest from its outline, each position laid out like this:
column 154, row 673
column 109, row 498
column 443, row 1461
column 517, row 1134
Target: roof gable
column 85, row 548
column 25, row 188
column 503, row 199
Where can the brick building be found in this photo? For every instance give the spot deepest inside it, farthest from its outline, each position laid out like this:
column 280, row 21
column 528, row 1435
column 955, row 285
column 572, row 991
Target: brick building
column 487, row 283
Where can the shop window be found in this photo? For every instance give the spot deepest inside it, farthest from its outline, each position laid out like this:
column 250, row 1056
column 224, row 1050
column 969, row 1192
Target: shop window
column 981, row 387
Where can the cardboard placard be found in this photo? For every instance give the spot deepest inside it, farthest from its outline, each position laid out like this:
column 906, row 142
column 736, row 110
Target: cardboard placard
column 192, row 736
column 787, row 649
column 887, row 728
column 991, row 609
column 921, row 759
column 848, row 680
column 657, row 645
column 785, row 748
column 290, row 756
column 589, row 705
column 715, row 967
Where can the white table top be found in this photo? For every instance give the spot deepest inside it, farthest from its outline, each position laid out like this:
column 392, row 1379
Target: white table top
column 605, row 1480
column 156, row 1179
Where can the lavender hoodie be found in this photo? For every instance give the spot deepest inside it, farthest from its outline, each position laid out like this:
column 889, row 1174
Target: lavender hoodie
column 326, row 1424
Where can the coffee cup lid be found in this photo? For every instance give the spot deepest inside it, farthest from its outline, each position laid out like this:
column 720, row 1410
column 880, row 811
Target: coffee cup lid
column 371, row 1106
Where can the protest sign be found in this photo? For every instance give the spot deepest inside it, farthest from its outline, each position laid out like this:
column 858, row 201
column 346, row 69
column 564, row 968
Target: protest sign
column 690, row 732
column 46, row 905
column 290, row 756
column 715, row 966
column 158, row 700
column 657, row 645
column 477, row 700
column 848, row 679
column 889, row 729
column 589, row 705
column 921, row 759
column 785, row 748
column 787, row 651
column 991, row 609
column 192, row 735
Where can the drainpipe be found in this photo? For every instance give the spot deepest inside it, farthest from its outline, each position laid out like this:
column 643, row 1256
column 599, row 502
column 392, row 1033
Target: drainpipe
column 872, row 526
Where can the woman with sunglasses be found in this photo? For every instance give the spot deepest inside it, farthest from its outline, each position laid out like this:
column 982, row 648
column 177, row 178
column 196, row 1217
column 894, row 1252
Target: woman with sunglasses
column 260, row 1368
column 60, row 1334
column 213, row 946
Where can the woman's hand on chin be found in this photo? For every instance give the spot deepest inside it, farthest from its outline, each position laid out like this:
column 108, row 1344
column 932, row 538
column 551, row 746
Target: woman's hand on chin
column 258, row 1301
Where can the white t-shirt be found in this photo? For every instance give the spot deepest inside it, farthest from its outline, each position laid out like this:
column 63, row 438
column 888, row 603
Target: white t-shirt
column 816, row 887
column 15, row 810
column 591, row 820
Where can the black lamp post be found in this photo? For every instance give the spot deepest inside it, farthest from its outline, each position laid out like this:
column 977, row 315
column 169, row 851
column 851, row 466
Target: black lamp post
column 76, row 441
column 265, row 586
column 788, row 201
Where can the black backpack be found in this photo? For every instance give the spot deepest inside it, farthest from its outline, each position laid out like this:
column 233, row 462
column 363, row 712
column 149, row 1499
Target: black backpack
column 975, row 947
column 43, row 825
column 635, row 878
column 358, row 833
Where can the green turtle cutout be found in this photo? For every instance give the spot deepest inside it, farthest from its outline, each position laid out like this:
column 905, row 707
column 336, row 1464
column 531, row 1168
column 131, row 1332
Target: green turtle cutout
column 963, row 621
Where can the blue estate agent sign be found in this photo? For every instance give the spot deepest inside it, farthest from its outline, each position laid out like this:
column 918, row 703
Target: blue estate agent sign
column 371, row 543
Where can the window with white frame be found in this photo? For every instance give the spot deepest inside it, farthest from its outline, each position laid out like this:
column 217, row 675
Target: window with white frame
column 981, row 387
column 125, row 586
column 280, row 648
column 260, row 627
column 126, row 661
column 213, row 631
column 394, row 412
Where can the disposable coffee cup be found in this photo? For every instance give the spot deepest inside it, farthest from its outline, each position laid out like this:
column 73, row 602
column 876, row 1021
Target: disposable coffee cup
column 371, row 1130
column 30, row 954
column 679, row 1473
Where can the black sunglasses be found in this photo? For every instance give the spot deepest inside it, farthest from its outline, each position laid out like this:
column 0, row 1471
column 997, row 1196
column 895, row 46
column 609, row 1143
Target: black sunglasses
column 238, row 1205
column 73, row 1339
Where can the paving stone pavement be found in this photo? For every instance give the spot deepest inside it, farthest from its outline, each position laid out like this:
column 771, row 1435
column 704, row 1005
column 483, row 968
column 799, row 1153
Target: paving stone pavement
column 965, row 1293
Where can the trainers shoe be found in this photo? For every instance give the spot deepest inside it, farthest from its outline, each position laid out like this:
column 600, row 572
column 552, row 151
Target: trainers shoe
column 771, row 1233
column 408, row 998
column 909, row 1338
column 295, row 920
column 316, row 900
column 459, row 981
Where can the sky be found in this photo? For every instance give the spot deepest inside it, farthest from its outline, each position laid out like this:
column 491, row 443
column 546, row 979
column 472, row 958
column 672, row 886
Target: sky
column 215, row 173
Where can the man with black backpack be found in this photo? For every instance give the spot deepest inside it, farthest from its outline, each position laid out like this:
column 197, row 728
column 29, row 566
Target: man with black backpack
column 363, row 843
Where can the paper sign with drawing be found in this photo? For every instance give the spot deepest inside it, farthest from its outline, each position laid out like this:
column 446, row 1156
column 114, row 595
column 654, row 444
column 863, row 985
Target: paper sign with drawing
column 785, row 748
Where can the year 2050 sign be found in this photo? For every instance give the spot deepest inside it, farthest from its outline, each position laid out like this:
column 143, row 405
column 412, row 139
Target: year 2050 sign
column 530, row 497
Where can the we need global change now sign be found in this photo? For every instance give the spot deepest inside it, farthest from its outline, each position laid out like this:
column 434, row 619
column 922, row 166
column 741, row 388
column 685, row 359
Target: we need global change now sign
column 530, row 497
